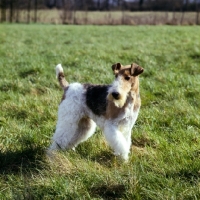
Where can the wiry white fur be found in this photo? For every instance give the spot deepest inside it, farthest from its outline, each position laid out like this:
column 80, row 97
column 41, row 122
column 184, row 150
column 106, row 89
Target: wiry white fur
column 118, row 131
column 73, row 111
column 68, row 133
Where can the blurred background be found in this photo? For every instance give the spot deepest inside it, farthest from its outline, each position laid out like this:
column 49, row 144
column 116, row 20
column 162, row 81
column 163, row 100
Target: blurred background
column 101, row 12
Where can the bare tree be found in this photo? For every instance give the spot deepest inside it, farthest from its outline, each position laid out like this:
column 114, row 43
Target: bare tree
column 11, row 11
column 98, row 4
column 17, row 11
column 35, row 11
column 67, row 12
column 64, row 14
column 107, row 6
column 197, row 11
column 85, row 7
column 3, row 10
column 74, row 13
column 183, row 11
column 186, row 4
column 123, row 13
column 141, row 4
column 28, row 11
column 174, row 11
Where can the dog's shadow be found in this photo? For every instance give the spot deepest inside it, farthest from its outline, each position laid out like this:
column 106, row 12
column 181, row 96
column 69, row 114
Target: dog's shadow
column 115, row 191
column 104, row 158
column 22, row 161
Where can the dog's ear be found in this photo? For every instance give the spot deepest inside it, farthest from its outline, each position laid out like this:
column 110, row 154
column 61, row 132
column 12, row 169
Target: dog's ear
column 136, row 69
column 116, row 67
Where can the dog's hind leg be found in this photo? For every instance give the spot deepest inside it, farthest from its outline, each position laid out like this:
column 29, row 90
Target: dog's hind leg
column 71, row 134
column 86, row 128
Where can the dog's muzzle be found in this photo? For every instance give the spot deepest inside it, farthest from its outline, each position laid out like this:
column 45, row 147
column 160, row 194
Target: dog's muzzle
column 115, row 95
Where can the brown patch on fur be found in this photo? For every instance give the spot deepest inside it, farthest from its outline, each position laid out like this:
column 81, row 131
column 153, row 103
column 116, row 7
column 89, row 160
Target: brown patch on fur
column 137, row 103
column 84, row 124
column 116, row 67
column 127, row 84
column 62, row 81
column 135, row 89
column 64, row 94
column 112, row 111
column 136, row 69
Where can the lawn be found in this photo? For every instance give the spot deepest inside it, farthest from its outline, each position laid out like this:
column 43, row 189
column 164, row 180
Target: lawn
column 165, row 154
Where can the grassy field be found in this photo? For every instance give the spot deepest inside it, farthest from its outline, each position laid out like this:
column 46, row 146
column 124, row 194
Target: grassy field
column 165, row 156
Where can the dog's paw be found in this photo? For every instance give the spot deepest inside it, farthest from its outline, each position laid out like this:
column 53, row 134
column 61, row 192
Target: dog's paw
column 123, row 157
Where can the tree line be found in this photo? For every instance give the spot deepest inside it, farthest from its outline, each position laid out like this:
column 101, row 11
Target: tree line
column 10, row 9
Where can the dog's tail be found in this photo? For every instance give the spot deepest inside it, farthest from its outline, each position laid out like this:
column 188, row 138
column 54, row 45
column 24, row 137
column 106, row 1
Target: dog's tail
column 61, row 77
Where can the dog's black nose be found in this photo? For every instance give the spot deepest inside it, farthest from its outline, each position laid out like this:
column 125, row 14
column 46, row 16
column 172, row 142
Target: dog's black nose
column 115, row 95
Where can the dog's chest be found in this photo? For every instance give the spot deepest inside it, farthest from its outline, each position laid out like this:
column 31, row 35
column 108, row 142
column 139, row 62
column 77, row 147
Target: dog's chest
column 128, row 119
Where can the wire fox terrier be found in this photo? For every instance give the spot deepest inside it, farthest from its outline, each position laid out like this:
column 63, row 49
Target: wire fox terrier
column 114, row 108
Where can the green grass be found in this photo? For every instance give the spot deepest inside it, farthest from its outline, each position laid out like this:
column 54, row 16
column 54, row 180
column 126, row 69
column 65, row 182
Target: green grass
column 165, row 156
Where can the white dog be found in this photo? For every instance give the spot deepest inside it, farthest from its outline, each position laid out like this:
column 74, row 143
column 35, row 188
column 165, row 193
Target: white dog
column 114, row 108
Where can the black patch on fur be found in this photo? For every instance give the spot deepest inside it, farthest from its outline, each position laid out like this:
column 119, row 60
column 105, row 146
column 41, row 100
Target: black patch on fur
column 96, row 98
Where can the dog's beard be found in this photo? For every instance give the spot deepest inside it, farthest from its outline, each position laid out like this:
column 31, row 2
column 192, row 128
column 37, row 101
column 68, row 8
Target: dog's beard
column 117, row 102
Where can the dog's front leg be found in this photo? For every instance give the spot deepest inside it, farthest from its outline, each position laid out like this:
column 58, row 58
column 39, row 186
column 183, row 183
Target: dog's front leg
column 116, row 140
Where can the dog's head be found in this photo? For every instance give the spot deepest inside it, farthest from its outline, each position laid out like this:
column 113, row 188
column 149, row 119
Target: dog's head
column 126, row 81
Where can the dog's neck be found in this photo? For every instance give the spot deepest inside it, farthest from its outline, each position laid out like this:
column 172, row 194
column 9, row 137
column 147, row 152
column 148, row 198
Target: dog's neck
column 132, row 102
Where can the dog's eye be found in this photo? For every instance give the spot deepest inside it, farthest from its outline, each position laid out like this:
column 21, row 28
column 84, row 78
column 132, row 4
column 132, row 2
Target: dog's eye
column 116, row 75
column 127, row 78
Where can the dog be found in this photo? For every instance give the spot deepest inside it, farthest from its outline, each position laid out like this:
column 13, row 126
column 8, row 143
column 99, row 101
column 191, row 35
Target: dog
column 114, row 108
